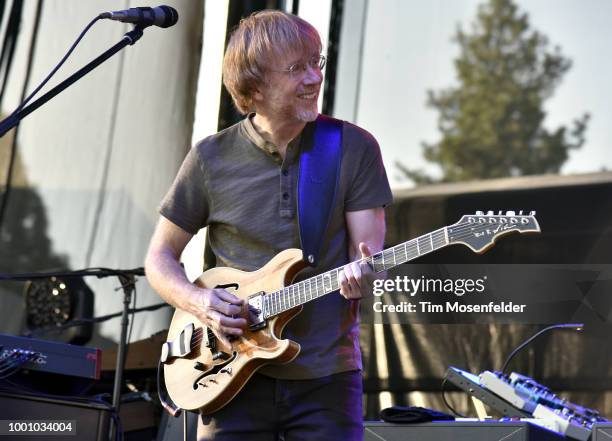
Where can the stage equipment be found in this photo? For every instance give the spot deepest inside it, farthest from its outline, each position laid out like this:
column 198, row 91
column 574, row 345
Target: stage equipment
column 459, row 431
column 78, row 419
column 47, row 356
column 162, row 16
column 55, row 301
column 519, row 396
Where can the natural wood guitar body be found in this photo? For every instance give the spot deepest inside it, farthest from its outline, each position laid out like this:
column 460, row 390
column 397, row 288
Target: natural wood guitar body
column 206, row 387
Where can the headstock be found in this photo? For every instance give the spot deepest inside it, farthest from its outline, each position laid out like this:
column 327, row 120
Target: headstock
column 479, row 231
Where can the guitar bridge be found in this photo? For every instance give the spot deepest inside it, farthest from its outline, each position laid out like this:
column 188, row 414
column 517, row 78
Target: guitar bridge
column 256, row 312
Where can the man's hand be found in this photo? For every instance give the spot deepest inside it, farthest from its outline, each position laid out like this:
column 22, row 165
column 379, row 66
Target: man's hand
column 221, row 311
column 357, row 279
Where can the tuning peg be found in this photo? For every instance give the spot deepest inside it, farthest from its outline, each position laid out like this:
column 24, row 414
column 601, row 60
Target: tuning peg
column 490, row 213
column 532, row 213
column 500, row 212
column 479, row 213
column 510, row 213
column 520, row 212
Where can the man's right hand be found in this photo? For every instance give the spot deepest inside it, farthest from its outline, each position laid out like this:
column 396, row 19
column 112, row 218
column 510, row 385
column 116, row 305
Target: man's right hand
column 217, row 309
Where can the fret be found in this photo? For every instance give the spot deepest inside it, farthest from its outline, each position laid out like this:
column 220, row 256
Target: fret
column 412, row 249
column 424, row 246
column 394, row 259
column 376, row 263
column 431, row 240
column 333, row 278
column 387, row 254
column 319, row 291
column 275, row 300
column 291, row 297
column 327, row 278
column 401, row 251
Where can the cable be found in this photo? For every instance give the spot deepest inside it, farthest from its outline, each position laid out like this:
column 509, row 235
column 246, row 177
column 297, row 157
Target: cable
column 103, row 318
column 55, row 69
column 451, row 408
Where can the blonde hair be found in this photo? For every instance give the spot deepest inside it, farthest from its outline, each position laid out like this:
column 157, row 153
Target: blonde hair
column 258, row 39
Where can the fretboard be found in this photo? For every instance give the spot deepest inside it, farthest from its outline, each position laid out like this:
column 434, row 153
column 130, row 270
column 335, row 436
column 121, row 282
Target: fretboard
column 310, row 289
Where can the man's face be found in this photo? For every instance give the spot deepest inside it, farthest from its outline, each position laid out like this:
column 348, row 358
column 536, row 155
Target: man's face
column 291, row 96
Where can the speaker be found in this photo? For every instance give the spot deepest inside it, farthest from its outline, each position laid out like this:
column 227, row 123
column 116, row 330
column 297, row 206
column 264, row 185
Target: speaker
column 89, row 419
column 458, row 431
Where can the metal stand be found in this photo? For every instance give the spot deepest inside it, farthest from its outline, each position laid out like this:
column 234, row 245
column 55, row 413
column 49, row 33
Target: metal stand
column 128, row 39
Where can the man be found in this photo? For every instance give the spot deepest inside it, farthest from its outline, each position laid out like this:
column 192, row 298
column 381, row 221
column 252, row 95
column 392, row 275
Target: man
column 242, row 184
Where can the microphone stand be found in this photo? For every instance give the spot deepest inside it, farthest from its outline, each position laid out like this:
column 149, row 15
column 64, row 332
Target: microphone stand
column 15, row 118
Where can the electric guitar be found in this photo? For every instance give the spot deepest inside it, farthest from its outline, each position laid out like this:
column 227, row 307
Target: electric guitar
column 202, row 373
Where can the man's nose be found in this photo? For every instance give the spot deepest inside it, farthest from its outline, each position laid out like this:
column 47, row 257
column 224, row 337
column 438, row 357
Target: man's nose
column 313, row 75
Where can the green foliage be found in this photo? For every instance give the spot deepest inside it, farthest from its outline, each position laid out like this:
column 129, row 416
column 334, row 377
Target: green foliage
column 492, row 123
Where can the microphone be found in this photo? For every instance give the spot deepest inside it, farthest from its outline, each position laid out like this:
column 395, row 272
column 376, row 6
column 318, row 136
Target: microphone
column 162, row 16
column 574, row 326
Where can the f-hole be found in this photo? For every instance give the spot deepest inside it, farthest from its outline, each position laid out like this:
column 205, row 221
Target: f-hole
column 229, row 286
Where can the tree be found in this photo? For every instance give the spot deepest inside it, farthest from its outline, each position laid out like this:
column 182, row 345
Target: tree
column 492, row 123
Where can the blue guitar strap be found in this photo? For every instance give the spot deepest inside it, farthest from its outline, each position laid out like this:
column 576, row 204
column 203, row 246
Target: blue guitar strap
column 319, row 174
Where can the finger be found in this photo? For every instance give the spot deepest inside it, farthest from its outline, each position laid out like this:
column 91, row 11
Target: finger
column 357, row 275
column 224, row 307
column 364, row 249
column 228, row 297
column 226, row 325
column 365, row 268
column 344, row 286
column 233, row 322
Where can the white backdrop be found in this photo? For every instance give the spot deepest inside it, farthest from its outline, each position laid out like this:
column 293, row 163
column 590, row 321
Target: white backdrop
column 101, row 155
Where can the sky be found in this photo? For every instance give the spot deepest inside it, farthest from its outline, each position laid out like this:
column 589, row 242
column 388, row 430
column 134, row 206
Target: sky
column 408, row 50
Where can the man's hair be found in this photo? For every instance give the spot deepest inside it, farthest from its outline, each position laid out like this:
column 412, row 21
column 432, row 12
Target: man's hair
column 256, row 41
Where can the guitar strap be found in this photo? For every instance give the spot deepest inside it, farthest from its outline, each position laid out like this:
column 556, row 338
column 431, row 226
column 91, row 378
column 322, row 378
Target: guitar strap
column 319, row 174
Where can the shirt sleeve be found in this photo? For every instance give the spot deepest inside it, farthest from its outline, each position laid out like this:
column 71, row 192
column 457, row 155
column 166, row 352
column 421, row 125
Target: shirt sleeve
column 187, row 204
column 368, row 186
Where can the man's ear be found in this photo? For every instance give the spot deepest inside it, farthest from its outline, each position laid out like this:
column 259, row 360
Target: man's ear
column 257, row 95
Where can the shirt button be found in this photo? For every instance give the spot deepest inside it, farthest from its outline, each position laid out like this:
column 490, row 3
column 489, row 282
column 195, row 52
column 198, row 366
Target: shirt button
column 285, row 172
column 285, row 196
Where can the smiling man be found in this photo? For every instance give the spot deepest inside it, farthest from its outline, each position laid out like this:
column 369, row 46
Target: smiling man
column 242, row 184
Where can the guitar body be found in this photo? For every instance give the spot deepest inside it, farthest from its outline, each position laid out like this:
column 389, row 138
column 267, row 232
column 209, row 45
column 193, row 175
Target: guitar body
column 195, row 380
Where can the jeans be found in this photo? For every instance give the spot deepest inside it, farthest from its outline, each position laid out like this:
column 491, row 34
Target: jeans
column 269, row 409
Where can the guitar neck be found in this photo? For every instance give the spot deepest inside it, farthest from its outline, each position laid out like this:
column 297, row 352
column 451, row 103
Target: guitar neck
column 312, row 288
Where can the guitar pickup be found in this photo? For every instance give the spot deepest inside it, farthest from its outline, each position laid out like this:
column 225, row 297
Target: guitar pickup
column 256, row 311
column 180, row 346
